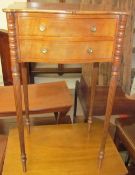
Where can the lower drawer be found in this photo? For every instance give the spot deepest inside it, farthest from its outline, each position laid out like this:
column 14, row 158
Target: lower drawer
column 65, row 52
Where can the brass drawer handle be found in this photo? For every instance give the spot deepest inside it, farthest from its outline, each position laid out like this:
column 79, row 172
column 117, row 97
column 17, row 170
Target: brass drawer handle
column 90, row 51
column 44, row 51
column 93, row 29
column 42, row 28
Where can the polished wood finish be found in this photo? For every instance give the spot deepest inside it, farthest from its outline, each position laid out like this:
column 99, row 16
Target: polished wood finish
column 17, row 84
column 94, row 81
column 69, row 52
column 60, row 70
column 42, row 98
column 3, row 144
column 65, row 149
column 112, row 8
column 68, row 49
column 25, row 91
column 53, row 26
column 113, row 82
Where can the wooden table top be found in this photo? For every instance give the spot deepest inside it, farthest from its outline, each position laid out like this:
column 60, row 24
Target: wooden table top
column 63, row 150
column 74, row 7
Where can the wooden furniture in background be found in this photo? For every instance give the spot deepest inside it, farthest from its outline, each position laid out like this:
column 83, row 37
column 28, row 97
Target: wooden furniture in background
column 122, row 104
column 128, row 50
column 125, row 129
column 5, row 58
column 61, row 44
column 46, row 102
column 45, row 98
column 65, row 149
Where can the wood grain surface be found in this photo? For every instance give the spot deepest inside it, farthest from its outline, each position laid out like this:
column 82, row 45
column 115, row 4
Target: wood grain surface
column 63, row 150
column 42, row 98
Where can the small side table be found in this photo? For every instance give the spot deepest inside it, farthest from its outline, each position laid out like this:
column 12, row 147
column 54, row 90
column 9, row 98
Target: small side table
column 64, row 34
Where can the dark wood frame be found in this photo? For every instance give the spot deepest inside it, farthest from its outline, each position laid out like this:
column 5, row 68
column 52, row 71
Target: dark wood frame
column 5, row 57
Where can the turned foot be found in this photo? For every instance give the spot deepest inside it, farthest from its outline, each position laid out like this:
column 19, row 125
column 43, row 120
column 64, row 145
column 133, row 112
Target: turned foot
column 101, row 157
column 28, row 125
column 89, row 124
column 23, row 157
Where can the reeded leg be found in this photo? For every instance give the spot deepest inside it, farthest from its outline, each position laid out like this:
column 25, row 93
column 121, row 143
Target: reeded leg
column 113, row 83
column 18, row 102
column 75, row 101
column 94, row 81
column 110, row 100
column 16, row 84
column 25, row 91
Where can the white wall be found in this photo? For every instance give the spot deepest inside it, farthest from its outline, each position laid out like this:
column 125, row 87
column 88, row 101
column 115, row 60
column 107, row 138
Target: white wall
column 3, row 24
column 3, row 4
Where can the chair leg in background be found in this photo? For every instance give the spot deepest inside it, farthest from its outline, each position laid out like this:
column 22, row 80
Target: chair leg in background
column 62, row 117
column 75, row 101
column 56, row 114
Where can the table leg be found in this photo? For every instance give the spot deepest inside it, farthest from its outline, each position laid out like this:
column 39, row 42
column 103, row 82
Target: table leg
column 25, row 91
column 113, row 83
column 94, row 81
column 20, row 124
column 16, row 84
column 110, row 100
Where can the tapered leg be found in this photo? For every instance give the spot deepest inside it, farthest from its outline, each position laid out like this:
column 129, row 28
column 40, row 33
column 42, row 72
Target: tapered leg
column 94, row 81
column 18, row 102
column 20, row 124
column 113, row 82
column 16, row 84
column 110, row 100
column 25, row 91
column 75, row 101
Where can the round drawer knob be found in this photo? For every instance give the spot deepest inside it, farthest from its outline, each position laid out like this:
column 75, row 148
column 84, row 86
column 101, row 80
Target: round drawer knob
column 90, row 51
column 93, row 29
column 44, row 51
column 42, row 28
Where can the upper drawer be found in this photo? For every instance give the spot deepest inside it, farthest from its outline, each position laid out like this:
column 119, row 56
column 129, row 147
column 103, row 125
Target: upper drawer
column 65, row 52
column 68, row 27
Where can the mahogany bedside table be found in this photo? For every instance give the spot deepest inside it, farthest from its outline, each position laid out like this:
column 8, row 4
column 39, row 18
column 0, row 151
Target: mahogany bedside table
column 63, row 33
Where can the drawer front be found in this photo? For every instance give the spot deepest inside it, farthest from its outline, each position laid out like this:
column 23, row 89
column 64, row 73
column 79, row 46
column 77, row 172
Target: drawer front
column 65, row 52
column 66, row 27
